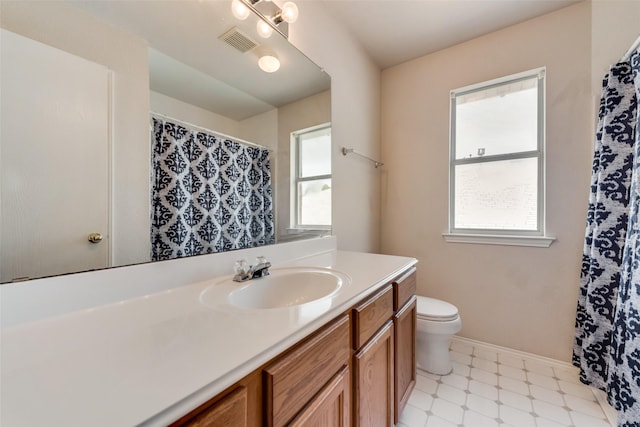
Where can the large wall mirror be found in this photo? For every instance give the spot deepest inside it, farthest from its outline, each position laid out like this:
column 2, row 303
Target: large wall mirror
column 83, row 81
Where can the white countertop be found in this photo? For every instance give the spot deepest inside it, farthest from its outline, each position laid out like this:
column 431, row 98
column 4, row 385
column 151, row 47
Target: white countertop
column 150, row 359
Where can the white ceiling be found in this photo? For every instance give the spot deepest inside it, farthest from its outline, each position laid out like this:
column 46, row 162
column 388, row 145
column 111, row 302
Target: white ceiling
column 395, row 31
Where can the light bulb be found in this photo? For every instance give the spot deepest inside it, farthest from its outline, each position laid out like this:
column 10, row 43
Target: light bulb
column 269, row 63
column 239, row 10
column 264, row 29
column 289, row 12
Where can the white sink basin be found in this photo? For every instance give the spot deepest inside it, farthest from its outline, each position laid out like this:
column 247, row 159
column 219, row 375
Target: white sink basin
column 284, row 287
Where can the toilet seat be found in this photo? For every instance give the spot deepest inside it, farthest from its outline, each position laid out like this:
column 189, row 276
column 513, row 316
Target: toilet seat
column 435, row 310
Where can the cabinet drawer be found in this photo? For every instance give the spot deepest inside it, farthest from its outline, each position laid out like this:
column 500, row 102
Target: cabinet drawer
column 296, row 377
column 369, row 316
column 403, row 289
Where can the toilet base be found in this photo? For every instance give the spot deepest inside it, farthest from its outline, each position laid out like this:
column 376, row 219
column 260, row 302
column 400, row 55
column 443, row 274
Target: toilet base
column 433, row 353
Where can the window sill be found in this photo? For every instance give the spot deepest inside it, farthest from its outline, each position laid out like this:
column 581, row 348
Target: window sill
column 307, row 230
column 487, row 239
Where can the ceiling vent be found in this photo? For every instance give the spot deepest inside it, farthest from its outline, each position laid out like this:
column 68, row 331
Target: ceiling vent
column 235, row 38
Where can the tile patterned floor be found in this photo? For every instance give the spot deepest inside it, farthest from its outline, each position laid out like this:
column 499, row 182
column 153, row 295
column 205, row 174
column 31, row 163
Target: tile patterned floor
column 493, row 387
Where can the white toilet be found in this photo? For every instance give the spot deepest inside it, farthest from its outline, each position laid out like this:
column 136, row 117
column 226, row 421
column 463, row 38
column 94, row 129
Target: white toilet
column 438, row 321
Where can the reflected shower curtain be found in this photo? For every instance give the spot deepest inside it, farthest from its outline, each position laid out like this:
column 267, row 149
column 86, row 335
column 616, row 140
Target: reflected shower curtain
column 208, row 194
column 607, row 344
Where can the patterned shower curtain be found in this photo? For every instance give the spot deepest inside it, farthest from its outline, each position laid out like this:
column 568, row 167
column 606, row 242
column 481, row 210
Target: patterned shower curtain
column 208, row 194
column 607, row 344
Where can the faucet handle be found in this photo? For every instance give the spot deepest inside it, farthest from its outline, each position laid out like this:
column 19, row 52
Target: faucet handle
column 241, row 267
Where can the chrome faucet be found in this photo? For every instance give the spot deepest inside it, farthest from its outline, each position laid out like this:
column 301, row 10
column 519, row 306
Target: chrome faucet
column 244, row 272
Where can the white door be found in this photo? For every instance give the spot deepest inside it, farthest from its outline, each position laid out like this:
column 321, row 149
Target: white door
column 54, row 160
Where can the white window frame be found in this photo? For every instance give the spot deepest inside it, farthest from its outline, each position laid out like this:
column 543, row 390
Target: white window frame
column 492, row 236
column 296, row 226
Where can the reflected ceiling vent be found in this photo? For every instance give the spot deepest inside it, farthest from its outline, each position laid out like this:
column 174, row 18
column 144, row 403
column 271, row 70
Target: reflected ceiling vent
column 235, row 38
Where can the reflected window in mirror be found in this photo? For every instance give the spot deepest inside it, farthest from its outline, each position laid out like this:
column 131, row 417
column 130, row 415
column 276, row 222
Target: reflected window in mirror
column 311, row 188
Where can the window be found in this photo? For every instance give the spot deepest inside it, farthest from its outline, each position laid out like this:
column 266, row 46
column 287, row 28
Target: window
column 311, row 188
column 497, row 159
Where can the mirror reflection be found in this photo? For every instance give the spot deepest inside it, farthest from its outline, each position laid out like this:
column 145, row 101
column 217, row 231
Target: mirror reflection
column 132, row 131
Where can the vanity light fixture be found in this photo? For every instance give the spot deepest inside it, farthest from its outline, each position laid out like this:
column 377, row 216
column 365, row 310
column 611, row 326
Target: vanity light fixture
column 240, row 9
column 269, row 63
column 271, row 15
column 264, row 29
column 289, row 12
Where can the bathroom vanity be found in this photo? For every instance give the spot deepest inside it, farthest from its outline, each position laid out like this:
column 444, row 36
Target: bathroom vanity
column 186, row 355
column 372, row 346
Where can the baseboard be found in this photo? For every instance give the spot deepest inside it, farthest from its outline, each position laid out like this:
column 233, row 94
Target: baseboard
column 609, row 412
column 547, row 360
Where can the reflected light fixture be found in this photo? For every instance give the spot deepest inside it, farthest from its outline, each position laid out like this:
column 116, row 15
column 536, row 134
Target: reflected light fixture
column 289, row 12
column 240, row 10
column 273, row 16
column 264, row 29
column 269, row 63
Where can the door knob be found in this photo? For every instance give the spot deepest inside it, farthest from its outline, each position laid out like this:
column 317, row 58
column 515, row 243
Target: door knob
column 95, row 237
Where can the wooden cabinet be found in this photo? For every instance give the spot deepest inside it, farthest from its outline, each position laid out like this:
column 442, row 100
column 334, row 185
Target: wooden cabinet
column 330, row 407
column 384, row 367
column 373, row 381
column 405, row 322
column 373, row 360
column 292, row 381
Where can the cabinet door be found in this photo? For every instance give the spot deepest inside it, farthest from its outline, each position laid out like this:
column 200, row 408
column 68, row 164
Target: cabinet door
column 405, row 355
column 373, row 381
column 230, row 411
column 330, row 407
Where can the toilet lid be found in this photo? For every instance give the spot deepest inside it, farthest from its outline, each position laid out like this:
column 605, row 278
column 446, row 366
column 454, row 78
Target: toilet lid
column 434, row 309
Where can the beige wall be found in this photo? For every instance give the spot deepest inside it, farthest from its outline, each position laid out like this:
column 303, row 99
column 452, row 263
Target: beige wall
column 615, row 26
column 171, row 107
column 68, row 28
column 355, row 114
column 261, row 129
column 519, row 297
